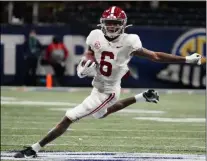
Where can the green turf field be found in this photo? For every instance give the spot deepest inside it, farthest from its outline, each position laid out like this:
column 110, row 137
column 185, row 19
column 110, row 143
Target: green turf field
column 27, row 116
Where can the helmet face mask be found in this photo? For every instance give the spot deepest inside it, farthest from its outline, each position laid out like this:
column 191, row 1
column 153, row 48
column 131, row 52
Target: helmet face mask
column 113, row 22
column 111, row 27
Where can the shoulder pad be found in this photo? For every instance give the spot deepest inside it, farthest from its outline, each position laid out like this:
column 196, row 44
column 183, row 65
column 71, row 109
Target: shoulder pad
column 93, row 36
column 134, row 41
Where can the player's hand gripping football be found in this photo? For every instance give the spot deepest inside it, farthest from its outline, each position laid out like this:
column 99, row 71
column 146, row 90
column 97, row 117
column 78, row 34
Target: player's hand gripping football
column 88, row 69
column 151, row 96
column 194, row 59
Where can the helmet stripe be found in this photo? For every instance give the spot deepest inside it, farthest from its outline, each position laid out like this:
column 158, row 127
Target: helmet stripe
column 112, row 10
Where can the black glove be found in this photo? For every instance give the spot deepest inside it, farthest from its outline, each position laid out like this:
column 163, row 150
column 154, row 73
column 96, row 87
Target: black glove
column 151, row 96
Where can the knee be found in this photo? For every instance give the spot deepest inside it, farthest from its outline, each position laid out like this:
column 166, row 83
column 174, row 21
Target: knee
column 65, row 122
column 70, row 116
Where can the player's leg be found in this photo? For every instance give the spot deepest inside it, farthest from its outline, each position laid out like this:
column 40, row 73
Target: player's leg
column 148, row 96
column 59, row 129
column 90, row 105
column 52, row 135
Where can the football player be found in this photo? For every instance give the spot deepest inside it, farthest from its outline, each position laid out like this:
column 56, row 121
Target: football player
column 112, row 49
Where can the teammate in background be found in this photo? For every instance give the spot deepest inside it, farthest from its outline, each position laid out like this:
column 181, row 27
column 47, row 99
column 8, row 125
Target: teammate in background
column 112, row 49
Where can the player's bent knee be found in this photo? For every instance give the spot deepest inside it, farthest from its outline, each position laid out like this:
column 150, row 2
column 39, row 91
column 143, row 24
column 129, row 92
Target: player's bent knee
column 77, row 113
column 67, row 120
column 71, row 115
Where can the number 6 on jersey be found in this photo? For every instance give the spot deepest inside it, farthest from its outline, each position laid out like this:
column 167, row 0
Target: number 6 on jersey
column 106, row 71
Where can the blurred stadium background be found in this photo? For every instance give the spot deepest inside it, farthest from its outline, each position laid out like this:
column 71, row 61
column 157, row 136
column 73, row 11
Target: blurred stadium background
column 172, row 27
column 176, row 125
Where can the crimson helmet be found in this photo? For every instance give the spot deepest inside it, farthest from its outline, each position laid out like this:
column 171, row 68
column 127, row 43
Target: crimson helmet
column 113, row 21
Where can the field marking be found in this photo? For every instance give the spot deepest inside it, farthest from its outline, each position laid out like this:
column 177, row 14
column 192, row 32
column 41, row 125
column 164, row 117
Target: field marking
column 32, row 103
column 113, row 145
column 106, row 130
column 8, row 98
column 107, row 156
column 113, row 137
column 22, row 117
column 160, row 119
column 95, row 122
column 88, row 89
column 141, row 111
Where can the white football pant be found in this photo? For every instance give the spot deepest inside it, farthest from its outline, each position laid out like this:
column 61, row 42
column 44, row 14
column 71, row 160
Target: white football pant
column 95, row 104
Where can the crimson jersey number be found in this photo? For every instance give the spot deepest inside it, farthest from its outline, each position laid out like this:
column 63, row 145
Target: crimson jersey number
column 107, row 72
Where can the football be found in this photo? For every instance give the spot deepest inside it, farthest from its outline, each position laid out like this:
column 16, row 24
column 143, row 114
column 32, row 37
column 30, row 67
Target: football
column 89, row 56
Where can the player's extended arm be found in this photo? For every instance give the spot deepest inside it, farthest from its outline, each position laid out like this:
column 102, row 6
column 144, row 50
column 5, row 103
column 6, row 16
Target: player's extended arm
column 167, row 58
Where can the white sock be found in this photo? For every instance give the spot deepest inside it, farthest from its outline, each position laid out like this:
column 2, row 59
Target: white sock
column 36, row 147
column 139, row 98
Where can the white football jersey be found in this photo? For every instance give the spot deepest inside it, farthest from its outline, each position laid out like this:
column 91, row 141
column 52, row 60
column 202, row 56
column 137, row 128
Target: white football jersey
column 112, row 57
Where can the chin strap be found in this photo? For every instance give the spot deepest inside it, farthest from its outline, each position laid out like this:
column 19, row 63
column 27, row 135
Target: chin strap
column 129, row 25
column 99, row 25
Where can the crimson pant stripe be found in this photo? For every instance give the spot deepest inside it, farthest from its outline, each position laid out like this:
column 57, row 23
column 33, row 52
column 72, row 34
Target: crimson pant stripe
column 100, row 106
column 103, row 104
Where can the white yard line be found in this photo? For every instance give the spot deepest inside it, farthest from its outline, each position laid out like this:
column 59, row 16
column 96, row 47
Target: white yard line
column 113, row 130
column 160, row 119
column 113, row 145
column 8, row 98
column 41, row 103
column 88, row 89
column 49, row 118
column 22, row 121
column 111, row 137
column 107, row 156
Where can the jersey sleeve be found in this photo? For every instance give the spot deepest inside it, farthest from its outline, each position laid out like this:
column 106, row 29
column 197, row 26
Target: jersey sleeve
column 135, row 42
column 92, row 38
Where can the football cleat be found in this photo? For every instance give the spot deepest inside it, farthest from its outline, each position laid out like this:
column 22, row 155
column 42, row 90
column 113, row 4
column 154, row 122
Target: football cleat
column 151, row 96
column 28, row 152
